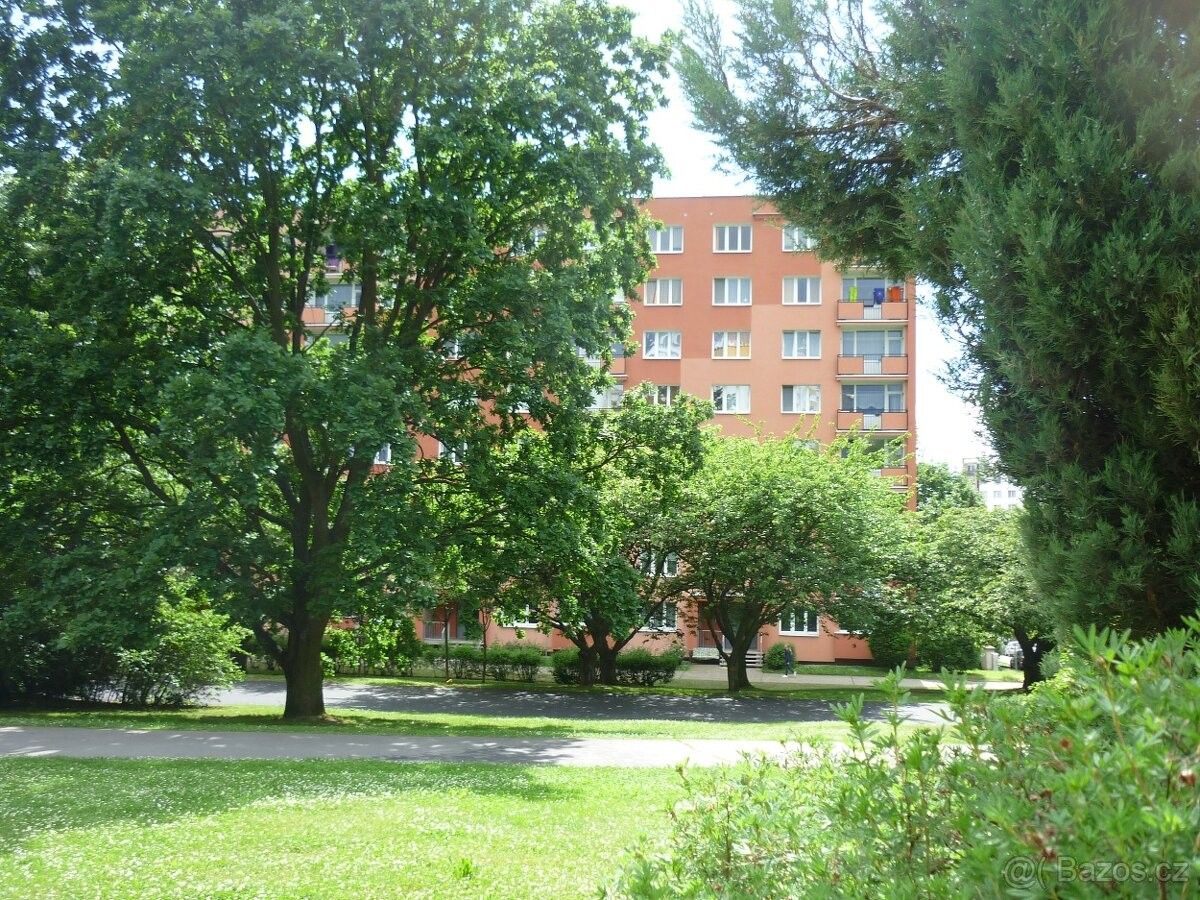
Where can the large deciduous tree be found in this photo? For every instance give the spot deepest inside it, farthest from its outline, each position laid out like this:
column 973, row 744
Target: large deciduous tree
column 1035, row 161
column 769, row 526
column 174, row 175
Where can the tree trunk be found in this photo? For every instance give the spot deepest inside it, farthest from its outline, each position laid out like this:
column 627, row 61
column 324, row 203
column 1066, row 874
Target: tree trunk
column 607, row 657
column 735, row 667
column 302, row 670
column 1032, row 650
column 587, row 666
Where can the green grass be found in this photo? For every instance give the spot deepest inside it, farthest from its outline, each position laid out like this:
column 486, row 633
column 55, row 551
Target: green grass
column 259, row 718
column 205, row 828
column 869, row 671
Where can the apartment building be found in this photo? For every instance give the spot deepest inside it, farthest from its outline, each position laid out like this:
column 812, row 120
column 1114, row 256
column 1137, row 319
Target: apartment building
column 741, row 309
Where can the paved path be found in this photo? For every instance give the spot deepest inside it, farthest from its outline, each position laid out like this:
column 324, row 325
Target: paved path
column 154, row 744
column 567, row 705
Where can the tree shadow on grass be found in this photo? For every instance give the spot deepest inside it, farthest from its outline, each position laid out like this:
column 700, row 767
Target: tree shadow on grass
column 52, row 794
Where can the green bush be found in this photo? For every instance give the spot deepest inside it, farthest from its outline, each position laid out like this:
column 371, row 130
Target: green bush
column 466, row 661
column 514, row 660
column 773, row 659
column 949, row 652
column 645, row 668
column 564, row 665
column 192, row 652
column 890, row 643
column 1023, row 796
column 374, row 646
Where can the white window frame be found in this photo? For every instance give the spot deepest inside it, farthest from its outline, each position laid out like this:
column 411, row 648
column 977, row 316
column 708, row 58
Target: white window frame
column 812, row 287
column 748, row 295
column 806, row 613
column 665, row 395
column 887, row 284
column 723, row 337
column 607, row 398
column 384, row 456
column 805, row 243
column 888, row 387
column 665, row 235
column 675, row 292
column 741, row 229
column 660, row 616
column 454, row 454
column 808, row 332
column 527, row 624
column 810, row 391
column 886, row 332
column 742, row 390
column 677, row 342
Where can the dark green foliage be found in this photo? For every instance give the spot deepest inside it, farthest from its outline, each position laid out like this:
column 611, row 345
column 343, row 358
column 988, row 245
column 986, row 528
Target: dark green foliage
column 1035, row 161
column 505, row 662
column 949, row 650
column 633, row 667
column 375, row 646
column 773, row 658
column 168, row 195
column 1051, row 779
column 892, row 644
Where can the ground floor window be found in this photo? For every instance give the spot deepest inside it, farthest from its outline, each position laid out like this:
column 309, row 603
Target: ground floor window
column 799, row 621
column 664, row 618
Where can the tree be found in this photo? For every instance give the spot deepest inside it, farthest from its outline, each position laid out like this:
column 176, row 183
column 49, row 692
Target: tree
column 938, row 488
column 975, row 578
column 1033, row 160
column 769, row 526
column 590, row 557
column 174, row 197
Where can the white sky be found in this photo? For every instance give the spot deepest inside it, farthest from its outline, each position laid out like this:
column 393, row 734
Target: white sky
column 948, row 430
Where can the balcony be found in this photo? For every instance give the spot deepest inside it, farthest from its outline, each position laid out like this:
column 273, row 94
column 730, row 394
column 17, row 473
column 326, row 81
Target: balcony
column 857, row 311
column 897, row 475
column 872, row 365
column 848, row 420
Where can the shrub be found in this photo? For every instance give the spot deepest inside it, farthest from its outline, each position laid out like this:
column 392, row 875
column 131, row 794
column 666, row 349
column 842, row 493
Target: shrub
column 521, row 661
column 890, row 643
column 192, row 652
column 773, row 660
column 949, row 651
column 564, row 665
column 646, row 668
column 466, row 661
column 946, row 814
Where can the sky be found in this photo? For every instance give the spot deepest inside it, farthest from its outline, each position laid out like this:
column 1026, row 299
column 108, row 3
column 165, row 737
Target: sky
column 948, row 429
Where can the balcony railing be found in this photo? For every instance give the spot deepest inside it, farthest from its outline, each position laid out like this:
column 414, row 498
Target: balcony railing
column 872, row 365
column 857, row 311
column 848, row 420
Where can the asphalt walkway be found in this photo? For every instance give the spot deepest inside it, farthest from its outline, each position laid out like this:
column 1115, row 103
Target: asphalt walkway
column 516, row 702
column 22, row 741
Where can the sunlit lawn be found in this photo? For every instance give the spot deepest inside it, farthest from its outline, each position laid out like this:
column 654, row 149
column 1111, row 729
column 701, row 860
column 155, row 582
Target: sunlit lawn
column 255, row 718
column 190, row 828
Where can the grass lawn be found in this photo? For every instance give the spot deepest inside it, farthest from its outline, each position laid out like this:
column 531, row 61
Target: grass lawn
column 257, row 718
column 206, row 828
column 869, row 671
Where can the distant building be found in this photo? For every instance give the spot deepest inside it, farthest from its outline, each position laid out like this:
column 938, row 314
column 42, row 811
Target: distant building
column 996, row 490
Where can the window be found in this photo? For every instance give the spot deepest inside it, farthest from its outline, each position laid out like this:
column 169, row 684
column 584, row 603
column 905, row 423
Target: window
column 731, row 292
column 668, row 239
column 809, row 445
column 664, row 618
column 665, row 394
column 873, row 398
column 607, row 397
column 339, row 296
column 799, row 621
column 731, row 345
column 802, row 345
column 873, row 343
column 333, row 258
column 384, row 456
column 731, row 238
column 453, row 452
column 648, row 563
column 1012, row 493
column 662, row 344
column 801, row 398
column 526, row 619
column 731, row 398
column 871, row 289
column 801, row 291
column 664, row 292
column 795, row 238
